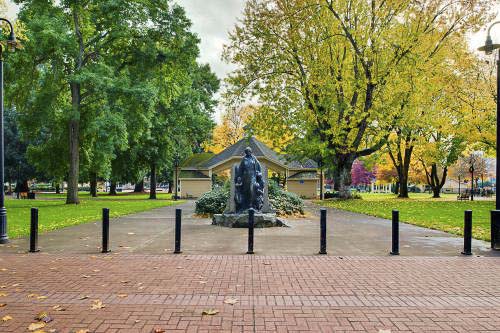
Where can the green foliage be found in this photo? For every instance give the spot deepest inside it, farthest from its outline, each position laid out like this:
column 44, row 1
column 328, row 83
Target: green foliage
column 284, row 203
column 213, row 202
column 122, row 74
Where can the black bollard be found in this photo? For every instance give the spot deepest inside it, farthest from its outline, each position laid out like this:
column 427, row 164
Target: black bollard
column 395, row 233
column 467, row 233
column 105, row 230
column 322, row 246
column 34, row 231
column 251, row 213
column 178, row 221
column 495, row 229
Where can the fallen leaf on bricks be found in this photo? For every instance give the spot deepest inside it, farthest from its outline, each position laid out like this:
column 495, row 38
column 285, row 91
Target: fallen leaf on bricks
column 210, row 312
column 3, row 294
column 40, row 331
column 140, row 288
column 58, row 308
column 36, row 326
column 122, row 295
column 82, row 331
column 6, row 318
column 158, row 330
column 231, row 301
column 202, row 282
column 131, row 233
column 32, row 295
column 125, row 281
column 83, row 297
column 136, row 321
column 16, row 284
column 267, row 263
column 2, row 287
column 2, row 305
column 85, row 276
column 41, row 297
column 96, row 270
column 179, row 267
column 97, row 304
column 3, row 269
column 43, row 316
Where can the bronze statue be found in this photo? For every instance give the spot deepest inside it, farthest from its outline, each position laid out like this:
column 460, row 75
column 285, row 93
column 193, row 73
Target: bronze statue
column 249, row 184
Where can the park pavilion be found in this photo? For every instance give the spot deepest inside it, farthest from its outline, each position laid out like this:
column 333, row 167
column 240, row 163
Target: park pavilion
column 200, row 171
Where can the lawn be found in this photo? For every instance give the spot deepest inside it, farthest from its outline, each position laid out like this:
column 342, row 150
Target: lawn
column 55, row 214
column 445, row 214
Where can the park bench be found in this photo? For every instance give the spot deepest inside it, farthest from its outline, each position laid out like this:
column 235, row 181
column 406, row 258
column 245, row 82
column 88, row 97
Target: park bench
column 463, row 196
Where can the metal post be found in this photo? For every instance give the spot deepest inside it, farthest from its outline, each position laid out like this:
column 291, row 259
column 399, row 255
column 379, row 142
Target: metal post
column 178, row 221
column 497, row 198
column 322, row 246
column 34, row 231
column 251, row 220
column 395, row 233
column 467, row 233
column 4, row 238
column 495, row 229
column 105, row 230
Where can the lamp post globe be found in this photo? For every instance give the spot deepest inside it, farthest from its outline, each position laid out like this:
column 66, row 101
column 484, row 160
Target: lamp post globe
column 11, row 44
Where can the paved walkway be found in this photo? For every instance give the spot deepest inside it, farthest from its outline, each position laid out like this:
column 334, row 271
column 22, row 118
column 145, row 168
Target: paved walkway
column 168, row 293
column 152, row 232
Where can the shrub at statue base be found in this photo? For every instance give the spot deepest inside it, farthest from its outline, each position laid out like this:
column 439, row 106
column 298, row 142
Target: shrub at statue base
column 213, row 202
column 284, row 203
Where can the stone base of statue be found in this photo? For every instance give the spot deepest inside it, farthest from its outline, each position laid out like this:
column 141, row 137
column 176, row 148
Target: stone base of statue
column 261, row 220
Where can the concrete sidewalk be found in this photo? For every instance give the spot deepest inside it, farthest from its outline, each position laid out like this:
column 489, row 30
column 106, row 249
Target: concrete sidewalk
column 152, row 232
column 168, row 293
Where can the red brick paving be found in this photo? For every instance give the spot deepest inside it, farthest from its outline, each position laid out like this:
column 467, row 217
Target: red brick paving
column 275, row 294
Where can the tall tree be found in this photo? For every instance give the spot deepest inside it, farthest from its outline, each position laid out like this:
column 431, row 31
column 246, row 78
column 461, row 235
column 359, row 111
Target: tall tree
column 324, row 65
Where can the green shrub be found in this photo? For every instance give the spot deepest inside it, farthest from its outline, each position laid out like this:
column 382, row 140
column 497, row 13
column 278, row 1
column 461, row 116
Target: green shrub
column 284, row 203
column 213, row 202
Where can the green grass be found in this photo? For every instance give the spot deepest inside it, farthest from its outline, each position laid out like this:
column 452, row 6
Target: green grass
column 105, row 196
column 446, row 214
column 55, row 214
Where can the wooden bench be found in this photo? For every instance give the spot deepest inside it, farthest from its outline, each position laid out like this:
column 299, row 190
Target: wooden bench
column 463, row 196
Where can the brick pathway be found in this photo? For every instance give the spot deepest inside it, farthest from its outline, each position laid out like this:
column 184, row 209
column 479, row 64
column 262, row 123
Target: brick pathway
column 144, row 293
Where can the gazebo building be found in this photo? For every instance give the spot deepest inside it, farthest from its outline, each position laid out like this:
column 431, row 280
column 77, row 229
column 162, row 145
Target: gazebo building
column 200, row 171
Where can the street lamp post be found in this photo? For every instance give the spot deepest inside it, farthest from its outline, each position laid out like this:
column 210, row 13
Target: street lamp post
column 488, row 48
column 11, row 43
column 176, row 165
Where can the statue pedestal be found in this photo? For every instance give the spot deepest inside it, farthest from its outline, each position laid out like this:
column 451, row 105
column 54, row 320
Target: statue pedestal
column 261, row 220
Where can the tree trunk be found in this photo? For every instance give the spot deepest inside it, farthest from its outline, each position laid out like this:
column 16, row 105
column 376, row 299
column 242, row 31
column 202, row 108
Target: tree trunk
column 139, row 187
column 396, row 188
column 72, row 193
column 58, row 188
column 74, row 146
column 321, row 196
column 403, row 188
column 93, row 184
column 152, row 189
column 433, row 179
column 112, row 188
column 342, row 174
column 170, row 186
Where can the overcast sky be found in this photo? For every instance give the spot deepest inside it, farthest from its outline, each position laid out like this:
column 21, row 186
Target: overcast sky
column 212, row 19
